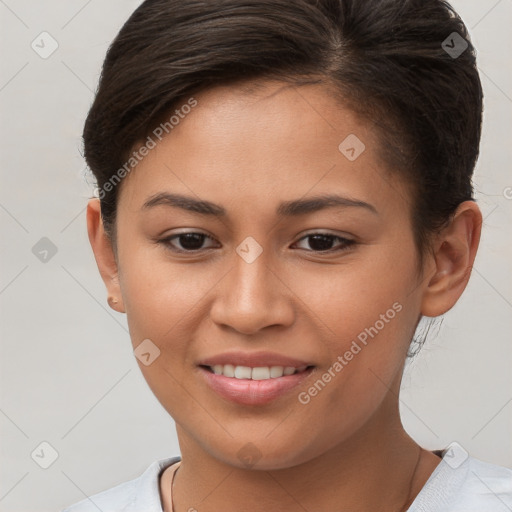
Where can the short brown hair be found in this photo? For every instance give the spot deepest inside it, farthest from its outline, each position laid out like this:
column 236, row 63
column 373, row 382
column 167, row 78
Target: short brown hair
column 387, row 58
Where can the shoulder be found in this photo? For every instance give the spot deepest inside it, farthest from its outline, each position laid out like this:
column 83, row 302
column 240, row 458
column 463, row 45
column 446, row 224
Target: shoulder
column 462, row 483
column 128, row 496
column 486, row 484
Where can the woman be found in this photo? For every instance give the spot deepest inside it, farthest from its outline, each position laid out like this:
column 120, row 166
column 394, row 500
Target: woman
column 284, row 191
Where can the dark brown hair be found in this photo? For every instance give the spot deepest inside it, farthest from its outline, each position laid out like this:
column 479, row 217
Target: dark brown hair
column 406, row 65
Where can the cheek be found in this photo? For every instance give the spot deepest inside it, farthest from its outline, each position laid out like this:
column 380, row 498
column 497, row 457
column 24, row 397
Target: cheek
column 365, row 315
column 362, row 375
column 160, row 296
column 370, row 290
column 162, row 304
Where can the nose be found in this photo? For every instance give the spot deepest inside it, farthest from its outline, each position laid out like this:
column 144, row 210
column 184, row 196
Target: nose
column 252, row 296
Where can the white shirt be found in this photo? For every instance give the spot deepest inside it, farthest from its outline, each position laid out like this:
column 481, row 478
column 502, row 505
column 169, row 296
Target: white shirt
column 460, row 483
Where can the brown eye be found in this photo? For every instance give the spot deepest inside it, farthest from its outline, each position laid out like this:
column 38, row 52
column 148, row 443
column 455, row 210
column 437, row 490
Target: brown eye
column 322, row 242
column 186, row 242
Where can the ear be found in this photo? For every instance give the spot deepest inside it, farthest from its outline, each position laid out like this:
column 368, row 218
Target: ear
column 104, row 254
column 454, row 254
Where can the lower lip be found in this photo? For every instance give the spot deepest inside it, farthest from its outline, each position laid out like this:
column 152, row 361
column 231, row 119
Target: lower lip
column 253, row 392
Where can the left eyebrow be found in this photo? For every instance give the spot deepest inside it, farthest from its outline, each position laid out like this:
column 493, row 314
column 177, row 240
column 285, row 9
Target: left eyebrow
column 313, row 204
column 286, row 208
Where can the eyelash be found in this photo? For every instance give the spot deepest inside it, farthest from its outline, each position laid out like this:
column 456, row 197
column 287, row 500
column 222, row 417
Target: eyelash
column 346, row 242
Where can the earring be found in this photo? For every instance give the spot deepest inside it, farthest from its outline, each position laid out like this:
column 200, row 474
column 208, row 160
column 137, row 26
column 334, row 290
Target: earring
column 113, row 300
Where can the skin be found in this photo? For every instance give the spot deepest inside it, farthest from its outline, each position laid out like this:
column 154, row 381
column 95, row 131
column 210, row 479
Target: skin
column 247, row 151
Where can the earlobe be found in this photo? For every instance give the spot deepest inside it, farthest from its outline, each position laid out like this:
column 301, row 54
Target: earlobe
column 104, row 255
column 454, row 254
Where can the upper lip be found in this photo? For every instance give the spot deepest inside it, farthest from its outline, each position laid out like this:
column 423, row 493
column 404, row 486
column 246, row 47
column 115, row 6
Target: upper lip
column 253, row 360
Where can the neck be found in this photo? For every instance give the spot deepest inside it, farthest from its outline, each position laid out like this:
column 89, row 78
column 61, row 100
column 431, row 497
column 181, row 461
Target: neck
column 377, row 468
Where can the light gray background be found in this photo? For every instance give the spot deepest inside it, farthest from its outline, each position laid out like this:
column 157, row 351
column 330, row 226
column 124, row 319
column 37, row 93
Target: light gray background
column 68, row 375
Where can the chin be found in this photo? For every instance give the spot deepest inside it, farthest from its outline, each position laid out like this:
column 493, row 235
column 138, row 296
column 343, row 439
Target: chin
column 261, row 455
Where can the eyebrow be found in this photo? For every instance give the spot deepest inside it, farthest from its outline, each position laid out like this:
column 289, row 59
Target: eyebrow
column 286, row 208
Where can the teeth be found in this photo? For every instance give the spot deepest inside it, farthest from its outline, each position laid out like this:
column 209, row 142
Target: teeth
column 243, row 372
column 276, row 371
column 258, row 373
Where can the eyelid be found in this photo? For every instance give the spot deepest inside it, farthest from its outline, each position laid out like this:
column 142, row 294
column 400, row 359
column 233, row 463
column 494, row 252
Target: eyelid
column 326, row 232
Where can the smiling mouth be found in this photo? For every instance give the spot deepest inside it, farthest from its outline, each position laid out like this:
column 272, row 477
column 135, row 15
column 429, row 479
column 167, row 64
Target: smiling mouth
column 255, row 373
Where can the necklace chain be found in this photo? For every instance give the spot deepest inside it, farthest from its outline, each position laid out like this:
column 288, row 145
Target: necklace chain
column 406, row 503
column 403, row 509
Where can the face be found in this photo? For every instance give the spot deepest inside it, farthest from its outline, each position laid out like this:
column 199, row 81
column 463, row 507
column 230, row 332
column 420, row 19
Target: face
column 265, row 276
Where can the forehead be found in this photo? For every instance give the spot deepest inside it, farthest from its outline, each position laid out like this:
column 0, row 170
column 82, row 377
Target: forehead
column 266, row 141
